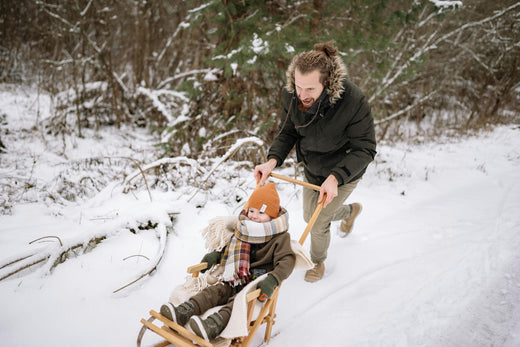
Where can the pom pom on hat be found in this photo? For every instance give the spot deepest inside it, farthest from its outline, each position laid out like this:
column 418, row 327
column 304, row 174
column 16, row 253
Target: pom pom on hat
column 266, row 200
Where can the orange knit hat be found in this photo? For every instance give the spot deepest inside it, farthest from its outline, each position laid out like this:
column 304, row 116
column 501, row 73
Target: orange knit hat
column 266, row 200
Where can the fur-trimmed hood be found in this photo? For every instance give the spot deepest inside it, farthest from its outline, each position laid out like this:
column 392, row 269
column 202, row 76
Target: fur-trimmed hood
column 337, row 78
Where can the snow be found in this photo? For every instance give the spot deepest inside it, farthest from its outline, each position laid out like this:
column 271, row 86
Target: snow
column 259, row 46
column 446, row 4
column 433, row 259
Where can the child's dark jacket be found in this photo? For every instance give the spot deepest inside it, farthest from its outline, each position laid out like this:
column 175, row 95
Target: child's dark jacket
column 275, row 256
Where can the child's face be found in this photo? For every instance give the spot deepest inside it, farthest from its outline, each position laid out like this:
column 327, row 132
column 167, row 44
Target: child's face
column 257, row 216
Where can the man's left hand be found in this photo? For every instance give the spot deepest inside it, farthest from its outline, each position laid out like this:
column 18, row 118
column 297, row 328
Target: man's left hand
column 329, row 187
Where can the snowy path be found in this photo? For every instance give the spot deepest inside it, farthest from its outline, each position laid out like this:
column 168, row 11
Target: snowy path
column 443, row 270
column 433, row 260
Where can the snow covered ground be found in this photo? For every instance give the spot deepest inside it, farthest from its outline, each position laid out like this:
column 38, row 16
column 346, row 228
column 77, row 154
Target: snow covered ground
column 433, row 260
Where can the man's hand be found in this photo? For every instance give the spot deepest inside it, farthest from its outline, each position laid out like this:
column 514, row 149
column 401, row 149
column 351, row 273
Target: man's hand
column 329, row 187
column 262, row 171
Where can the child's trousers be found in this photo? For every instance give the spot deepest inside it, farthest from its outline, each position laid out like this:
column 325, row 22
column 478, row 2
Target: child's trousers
column 216, row 295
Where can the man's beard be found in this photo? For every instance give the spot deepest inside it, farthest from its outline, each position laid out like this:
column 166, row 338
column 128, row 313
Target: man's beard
column 305, row 107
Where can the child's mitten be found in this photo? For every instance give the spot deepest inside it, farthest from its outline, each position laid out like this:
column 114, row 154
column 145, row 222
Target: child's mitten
column 267, row 286
column 211, row 258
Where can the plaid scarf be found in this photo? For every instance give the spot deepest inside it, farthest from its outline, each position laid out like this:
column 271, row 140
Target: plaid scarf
column 236, row 257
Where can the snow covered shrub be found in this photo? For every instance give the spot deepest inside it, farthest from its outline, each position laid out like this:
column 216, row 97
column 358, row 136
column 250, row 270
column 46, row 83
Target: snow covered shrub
column 86, row 106
column 158, row 109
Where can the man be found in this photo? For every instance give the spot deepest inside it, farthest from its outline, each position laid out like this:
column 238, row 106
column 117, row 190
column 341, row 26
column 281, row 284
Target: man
column 329, row 120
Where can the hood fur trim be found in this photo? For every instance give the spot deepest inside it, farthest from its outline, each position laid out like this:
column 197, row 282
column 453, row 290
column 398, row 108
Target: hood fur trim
column 337, row 77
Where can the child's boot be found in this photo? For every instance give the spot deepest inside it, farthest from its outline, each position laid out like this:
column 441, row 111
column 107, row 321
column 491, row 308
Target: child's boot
column 208, row 328
column 180, row 314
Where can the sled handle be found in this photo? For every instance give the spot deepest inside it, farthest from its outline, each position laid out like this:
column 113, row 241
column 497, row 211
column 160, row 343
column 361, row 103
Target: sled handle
column 312, row 220
column 292, row 180
column 316, row 211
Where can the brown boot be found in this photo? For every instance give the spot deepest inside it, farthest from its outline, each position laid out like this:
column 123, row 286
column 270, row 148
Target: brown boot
column 316, row 273
column 347, row 223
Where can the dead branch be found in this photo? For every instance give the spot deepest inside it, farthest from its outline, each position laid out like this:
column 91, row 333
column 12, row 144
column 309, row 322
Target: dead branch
column 23, row 265
column 136, row 255
column 142, row 174
column 76, row 250
column 163, row 235
column 46, row 237
column 52, row 255
column 15, row 261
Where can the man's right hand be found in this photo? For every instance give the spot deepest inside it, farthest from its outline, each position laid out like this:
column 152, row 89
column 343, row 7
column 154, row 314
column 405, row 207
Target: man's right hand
column 262, row 171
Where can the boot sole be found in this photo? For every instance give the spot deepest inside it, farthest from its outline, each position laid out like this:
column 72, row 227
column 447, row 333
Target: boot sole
column 168, row 311
column 198, row 328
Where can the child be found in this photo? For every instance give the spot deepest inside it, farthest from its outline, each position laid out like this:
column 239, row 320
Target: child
column 260, row 245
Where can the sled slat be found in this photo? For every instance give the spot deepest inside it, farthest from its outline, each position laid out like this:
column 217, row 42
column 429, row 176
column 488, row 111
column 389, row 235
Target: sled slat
column 258, row 322
column 182, row 331
column 186, row 342
column 163, row 344
column 251, row 298
column 195, row 269
column 271, row 316
column 178, row 341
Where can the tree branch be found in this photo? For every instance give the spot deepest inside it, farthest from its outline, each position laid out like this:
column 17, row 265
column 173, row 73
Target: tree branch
column 403, row 111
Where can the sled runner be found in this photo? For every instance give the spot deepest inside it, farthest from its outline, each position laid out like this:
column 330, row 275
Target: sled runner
column 255, row 313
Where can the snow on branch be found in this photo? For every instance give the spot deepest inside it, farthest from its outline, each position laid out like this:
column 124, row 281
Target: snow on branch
column 50, row 256
column 403, row 111
column 236, row 146
column 84, row 12
column 474, row 24
column 232, row 150
column 165, row 108
column 209, row 75
column 443, row 4
column 47, row 258
column 432, row 43
column 196, row 169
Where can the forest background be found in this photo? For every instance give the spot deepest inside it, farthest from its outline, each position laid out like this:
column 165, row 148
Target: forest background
column 125, row 125
column 201, row 75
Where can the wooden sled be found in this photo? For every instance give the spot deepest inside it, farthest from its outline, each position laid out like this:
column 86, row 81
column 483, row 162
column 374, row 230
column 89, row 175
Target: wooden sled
column 179, row 336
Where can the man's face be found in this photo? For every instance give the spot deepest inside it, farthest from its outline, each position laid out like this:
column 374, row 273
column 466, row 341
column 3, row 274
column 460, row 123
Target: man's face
column 308, row 87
